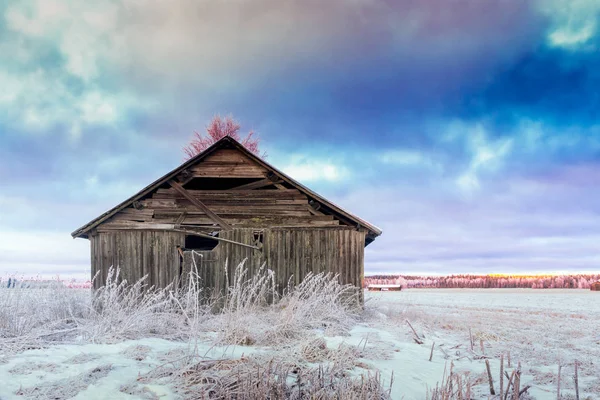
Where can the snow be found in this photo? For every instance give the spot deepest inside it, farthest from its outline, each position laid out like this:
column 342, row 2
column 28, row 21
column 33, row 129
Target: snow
column 126, row 362
column 539, row 328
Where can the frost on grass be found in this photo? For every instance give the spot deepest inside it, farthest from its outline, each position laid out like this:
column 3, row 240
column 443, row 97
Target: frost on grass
column 65, row 388
column 137, row 352
column 30, row 368
column 250, row 315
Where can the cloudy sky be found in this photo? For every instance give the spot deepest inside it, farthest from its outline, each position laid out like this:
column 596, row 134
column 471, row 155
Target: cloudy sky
column 468, row 130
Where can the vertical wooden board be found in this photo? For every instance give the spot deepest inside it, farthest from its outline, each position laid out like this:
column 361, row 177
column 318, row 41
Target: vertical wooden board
column 178, row 241
column 169, row 241
column 332, row 253
column 351, row 260
column 153, row 259
column 325, row 250
column 335, row 256
column 283, row 269
column 139, row 254
column 294, row 262
column 298, row 253
column 289, row 269
column 356, row 258
column 104, row 249
column 119, row 254
column 315, row 251
column 347, row 254
column 145, row 256
column 361, row 262
column 93, row 261
column 342, row 255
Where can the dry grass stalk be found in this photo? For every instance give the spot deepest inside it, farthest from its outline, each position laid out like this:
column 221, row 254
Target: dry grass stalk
column 452, row 387
column 517, row 384
column 501, row 374
column 490, row 379
column 558, row 383
column 416, row 336
column 471, row 339
column 431, row 353
column 510, row 382
column 576, row 379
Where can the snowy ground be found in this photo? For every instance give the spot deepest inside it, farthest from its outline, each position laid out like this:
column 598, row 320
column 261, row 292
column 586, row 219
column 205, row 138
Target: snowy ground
column 539, row 328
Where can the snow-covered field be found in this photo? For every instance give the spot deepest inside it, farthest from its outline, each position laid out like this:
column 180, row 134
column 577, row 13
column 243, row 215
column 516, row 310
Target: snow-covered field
column 307, row 339
column 542, row 329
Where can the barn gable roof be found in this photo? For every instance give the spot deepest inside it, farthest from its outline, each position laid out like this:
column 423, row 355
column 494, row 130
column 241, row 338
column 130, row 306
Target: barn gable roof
column 228, row 142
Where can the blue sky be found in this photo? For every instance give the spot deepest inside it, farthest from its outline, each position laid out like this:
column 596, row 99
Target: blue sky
column 469, row 131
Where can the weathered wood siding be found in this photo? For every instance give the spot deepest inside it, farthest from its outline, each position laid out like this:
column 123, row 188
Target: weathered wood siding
column 203, row 263
column 137, row 253
column 284, row 206
column 290, row 253
column 298, row 236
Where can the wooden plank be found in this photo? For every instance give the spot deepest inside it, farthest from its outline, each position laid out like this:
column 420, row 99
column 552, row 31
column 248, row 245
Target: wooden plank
column 218, row 194
column 200, row 205
column 256, row 185
column 181, row 218
column 132, row 225
column 227, row 170
column 236, row 208
column 188, row 232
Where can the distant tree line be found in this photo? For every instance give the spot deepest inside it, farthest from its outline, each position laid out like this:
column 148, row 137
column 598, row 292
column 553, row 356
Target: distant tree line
column 577, row 281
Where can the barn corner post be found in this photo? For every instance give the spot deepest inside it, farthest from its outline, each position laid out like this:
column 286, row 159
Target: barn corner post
column 227, row 204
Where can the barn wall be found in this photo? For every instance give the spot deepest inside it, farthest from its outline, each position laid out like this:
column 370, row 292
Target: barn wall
column 137, row 253
column 291, row 253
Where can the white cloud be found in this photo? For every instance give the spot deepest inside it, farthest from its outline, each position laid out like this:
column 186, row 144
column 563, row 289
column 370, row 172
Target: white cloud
column 574, row 22
column 486, row 155
column 569, row 36
column 83, row 32
column 311, row 171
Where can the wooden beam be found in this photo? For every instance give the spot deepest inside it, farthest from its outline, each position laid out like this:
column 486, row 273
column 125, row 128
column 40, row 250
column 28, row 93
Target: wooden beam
column 181, row 218
column 255, row 185
column 313, row 211
column 218, row 220
column 204, row 235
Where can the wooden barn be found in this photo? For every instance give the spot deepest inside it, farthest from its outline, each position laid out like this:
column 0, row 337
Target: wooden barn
column 595, row 286
column 219, row 208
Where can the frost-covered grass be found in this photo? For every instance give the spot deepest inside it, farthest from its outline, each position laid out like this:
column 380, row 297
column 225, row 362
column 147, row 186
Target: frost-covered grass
column 281, row 337
column 131, row 341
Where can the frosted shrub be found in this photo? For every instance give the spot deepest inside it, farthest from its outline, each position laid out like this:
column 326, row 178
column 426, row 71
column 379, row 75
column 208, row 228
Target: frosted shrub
column 122, row 311
column 250, row 312
column 259, row 378
column 254, row 313
column 318, row 302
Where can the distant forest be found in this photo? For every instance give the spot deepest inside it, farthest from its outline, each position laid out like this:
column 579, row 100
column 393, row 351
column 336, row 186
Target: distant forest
column 577, row 281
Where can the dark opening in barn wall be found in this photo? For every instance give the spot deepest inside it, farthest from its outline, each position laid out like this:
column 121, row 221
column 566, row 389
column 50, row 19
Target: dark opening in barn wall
column 199, row 243
column 218, row 183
